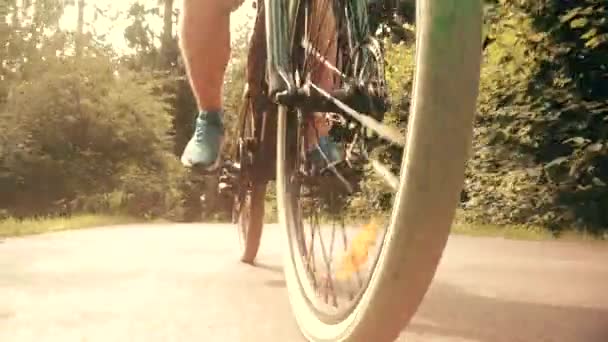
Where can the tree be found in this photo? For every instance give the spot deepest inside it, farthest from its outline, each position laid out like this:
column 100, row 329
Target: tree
column 86, row 133
column 168, row 40
column 80, row 28
column 540, row 156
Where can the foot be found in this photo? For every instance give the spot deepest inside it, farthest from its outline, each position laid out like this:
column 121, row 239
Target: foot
column 204, row 147
column 326, row 153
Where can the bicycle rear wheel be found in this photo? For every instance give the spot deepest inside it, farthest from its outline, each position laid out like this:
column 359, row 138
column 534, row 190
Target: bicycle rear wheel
column 251, row 221
column 248, row 206
column 439, row 133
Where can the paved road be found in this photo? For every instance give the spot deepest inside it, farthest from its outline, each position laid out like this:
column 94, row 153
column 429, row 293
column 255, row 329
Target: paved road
column 183, row 283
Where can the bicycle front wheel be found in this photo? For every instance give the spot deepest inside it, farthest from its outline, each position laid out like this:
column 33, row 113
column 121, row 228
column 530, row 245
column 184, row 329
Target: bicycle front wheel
column 439, row 134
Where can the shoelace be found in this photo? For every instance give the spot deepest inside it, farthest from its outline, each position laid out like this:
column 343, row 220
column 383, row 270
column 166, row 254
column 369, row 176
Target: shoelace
column 201, row 129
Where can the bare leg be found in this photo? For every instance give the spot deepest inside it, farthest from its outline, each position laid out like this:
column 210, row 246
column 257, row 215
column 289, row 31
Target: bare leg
column 205, row 46
column 323, row 23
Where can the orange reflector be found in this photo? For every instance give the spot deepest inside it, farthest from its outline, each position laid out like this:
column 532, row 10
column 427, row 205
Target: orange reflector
column 357, row 253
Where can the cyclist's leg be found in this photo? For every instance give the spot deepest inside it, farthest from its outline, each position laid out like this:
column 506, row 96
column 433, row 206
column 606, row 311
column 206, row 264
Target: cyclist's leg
column 326, row 44
column 205, row 46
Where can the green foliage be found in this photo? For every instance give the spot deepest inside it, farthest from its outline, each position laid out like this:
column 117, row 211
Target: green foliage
column 85, row 128
column 101, row 132
column 375, row 194
column 400, row 76
column 81, row 133
column 10, row 227
column 540, row 152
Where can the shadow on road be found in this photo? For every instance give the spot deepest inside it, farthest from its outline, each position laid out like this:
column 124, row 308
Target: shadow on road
column 274, row 269
column 271, row 268
column 450, row 311
column 279, row 283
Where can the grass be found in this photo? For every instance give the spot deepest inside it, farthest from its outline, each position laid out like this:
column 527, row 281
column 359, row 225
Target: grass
column 515, row 232
column 512, row 232
column 12, row 227
column 525, row 232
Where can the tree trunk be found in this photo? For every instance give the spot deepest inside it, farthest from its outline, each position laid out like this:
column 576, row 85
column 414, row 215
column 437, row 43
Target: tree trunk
column 14, row 14
column 25, row 6
column 167, row 35
column 79, row 46
column 80, row 28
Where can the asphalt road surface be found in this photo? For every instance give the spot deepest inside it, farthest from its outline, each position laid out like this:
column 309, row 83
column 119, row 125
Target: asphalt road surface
column 184, row 283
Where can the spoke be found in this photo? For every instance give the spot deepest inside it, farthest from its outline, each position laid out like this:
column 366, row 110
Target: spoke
column 345, row 245
column 363, row 69
column 311, row 50
column 316, row 30
column 350, row 149
column 349, row 30
column 332, row 167
column 385, row 173
column 333, row 240
column 387, row 132
column 315, row 227
column 311, row 256
column 331, row 252
column 327, row 275
column 306, row 34
column 316, row 60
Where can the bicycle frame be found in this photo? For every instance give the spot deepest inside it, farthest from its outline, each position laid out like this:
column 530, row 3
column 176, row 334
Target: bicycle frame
column 280, row 21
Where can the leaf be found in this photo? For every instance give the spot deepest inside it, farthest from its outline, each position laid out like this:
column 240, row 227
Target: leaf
column 570, row 15
column 577, row 141
column 587, row 11
column 579, row 23
column 556, row 162
column 536, row 38
column 597, row 41
column 595, row 147
column 590, row 34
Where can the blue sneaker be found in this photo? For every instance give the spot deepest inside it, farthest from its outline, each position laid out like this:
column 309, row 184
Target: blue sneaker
column 330, row 150
column 204, row 147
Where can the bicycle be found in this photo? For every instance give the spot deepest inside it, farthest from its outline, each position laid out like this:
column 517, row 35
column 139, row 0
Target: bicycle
column 279, row 103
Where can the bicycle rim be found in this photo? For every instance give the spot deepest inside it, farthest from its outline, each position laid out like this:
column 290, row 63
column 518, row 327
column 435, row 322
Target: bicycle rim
column 448, row 52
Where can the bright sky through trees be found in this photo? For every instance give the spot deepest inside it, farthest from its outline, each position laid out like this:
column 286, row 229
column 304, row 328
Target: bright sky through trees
column 115, row 20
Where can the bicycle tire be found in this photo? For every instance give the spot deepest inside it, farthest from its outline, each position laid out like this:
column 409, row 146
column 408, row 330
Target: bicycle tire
column 250, row 229
column 250, row 200
column 448, row 58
